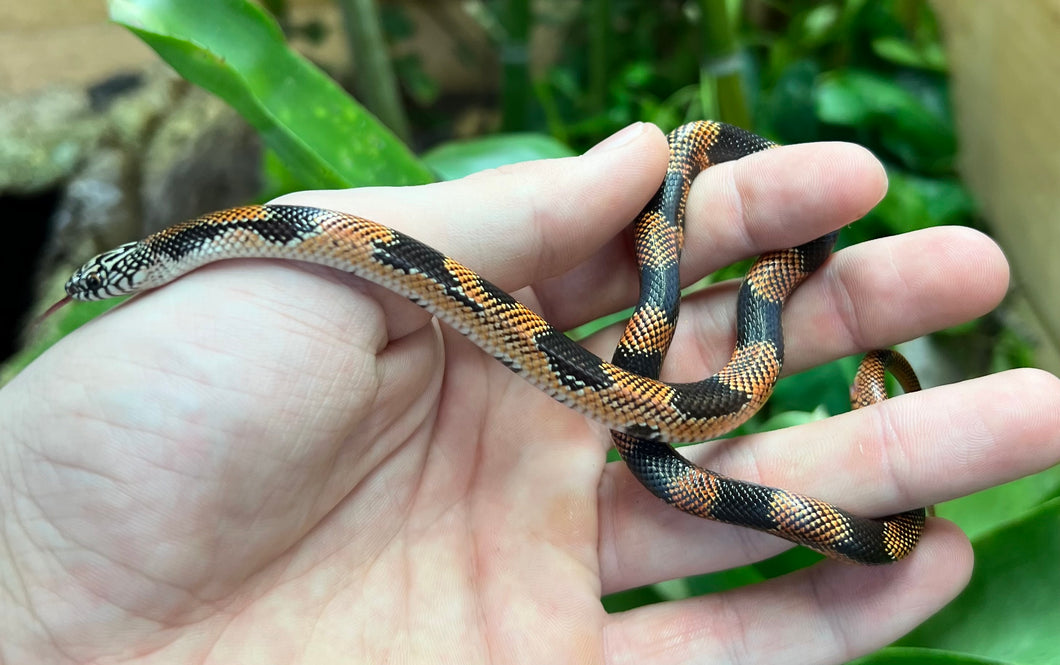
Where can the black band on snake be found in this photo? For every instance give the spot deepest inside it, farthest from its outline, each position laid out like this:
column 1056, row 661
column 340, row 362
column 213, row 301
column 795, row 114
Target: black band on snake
column 625, row 394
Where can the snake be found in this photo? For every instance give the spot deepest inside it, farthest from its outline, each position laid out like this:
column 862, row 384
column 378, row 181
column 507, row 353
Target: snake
column 646, row 416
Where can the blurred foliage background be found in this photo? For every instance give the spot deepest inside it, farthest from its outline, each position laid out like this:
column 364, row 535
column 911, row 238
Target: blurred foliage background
column 874, row 73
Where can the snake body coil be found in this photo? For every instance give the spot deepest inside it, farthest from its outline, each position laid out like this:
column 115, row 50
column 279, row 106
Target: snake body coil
column 625, row 394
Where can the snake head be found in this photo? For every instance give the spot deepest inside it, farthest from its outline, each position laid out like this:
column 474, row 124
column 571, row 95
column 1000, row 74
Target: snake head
column 117, row 272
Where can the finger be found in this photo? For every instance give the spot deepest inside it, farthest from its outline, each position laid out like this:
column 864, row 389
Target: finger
column 867, row 296
column 770, row 200
column 895, row 289
column 829, row 613
column 524, row 222
column 910, row 451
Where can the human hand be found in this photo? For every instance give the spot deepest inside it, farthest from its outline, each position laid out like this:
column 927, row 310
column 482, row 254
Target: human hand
column 273, row 462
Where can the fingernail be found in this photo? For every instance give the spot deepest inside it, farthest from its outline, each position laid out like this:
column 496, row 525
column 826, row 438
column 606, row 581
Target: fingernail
column 618, row 139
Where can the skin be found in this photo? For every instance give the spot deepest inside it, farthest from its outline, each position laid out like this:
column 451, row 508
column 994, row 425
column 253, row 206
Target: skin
column 274, row 463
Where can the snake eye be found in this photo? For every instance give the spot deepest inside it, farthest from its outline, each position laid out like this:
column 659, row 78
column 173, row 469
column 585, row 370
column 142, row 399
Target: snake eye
column 93, row 282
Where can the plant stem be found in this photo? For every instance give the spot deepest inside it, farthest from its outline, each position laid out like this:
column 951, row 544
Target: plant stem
column 720, row 64
column 599, row 35
column 515, row 84
column 376, row 85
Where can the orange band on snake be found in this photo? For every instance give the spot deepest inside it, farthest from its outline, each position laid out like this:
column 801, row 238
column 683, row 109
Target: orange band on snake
column 625, row 394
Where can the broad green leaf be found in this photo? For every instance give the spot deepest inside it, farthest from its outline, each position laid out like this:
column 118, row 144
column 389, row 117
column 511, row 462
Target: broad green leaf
column 787, row 561
column 983, row 511
column 818, row 24
column 235, row 50
column 1009, row 611
column 921, row 137
column 632, row 598
column 787, row 110
column 912, row 656
column 786, row 419
column 907, row 54
column 724, row 580
column 858, row 99
column 915, row 202
column 457, row 159
column 827, row 385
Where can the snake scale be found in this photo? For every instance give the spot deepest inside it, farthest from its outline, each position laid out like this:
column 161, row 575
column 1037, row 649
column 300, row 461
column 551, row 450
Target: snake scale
column 646, row 415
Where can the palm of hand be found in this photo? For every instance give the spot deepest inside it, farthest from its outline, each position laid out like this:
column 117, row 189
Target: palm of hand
column 271, row 497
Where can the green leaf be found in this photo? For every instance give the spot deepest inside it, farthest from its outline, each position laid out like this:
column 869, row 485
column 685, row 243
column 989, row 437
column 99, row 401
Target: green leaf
column 787, row 561
column 460, row 158
column 235, row 50
column 787, row 111
column 786, row 419
column 984, row 511
column 724, row 580
column 914, row 202
column 856, row 99
column 912, row 656
column 827, row 385
column 907, row 54
column 920, row 136
column 632, row 599
column 1009, row 611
